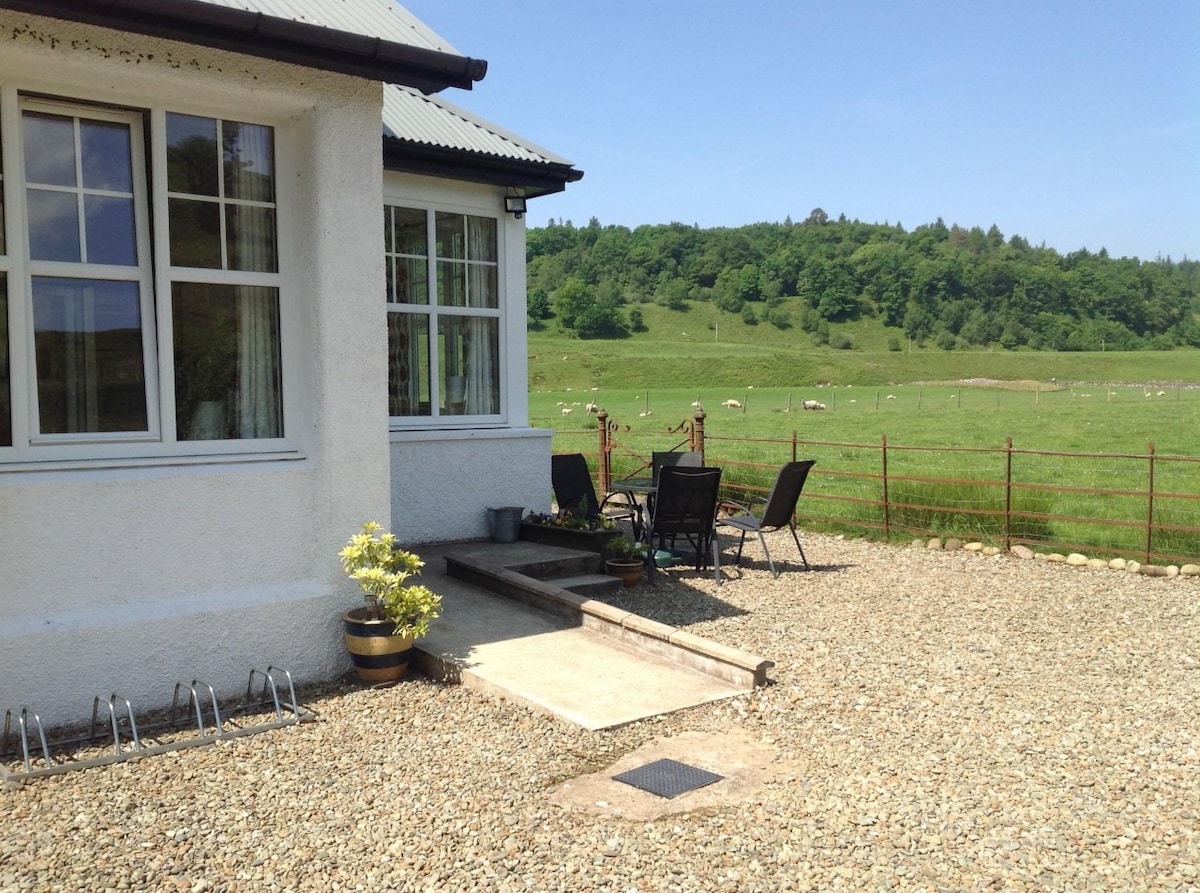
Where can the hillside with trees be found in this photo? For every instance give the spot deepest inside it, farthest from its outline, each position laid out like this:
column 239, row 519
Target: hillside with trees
column 938, row 285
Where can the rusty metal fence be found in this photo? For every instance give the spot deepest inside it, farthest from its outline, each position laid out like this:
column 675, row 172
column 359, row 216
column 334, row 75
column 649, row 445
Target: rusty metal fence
column 1144, row 506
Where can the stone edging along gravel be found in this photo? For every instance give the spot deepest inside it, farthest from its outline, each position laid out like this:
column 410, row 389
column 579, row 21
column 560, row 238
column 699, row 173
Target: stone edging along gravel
column 1074, row 559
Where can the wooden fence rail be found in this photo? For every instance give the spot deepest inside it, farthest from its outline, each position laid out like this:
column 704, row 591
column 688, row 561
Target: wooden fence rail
column 1144, row 506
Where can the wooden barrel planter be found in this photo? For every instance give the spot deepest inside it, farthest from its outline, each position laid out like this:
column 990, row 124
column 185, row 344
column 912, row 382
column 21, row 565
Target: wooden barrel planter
column 628, row 570
column 378, row 656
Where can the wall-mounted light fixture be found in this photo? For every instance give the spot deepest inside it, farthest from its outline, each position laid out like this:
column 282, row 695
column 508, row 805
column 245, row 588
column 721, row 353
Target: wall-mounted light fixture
column 515, row 205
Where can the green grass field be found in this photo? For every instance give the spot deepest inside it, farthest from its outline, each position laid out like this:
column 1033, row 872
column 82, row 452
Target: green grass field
column 945, row 415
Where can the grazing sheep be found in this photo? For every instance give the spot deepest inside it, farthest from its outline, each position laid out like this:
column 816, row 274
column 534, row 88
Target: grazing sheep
column 732, row 404
column 813, row 404
column 696, row 402
column 1162, row 393
column 590, row 408
column 891, row 396
column 566, row 410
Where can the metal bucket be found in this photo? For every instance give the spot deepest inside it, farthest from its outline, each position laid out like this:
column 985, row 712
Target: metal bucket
column 504, row 523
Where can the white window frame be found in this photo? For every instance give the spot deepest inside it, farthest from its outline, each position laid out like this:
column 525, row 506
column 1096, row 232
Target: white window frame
column 432, row 311
column 33, row 451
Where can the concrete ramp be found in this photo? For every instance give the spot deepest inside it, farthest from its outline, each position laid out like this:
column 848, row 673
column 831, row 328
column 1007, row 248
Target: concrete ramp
column 508, row 628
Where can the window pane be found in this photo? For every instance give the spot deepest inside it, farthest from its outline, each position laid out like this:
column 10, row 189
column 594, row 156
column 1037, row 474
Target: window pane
column 195, row 233
column 452, row 284
column 49, row 149
column 411, row 281
column 53, row 225
column 483, row 291
column 192, row 160
column 481, row 234
column 250, row 236
column 91, row 373
column 228, row 380
column 411, row 237
column 249, row 158
column 408, row 364
column 111, row 237
column 470, row 364
column 106, row 157
column 451, row 236
column 2, row 248
column 5, row 379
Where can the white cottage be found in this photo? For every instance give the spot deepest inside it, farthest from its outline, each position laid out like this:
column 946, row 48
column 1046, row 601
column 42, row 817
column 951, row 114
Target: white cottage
column 215, row 363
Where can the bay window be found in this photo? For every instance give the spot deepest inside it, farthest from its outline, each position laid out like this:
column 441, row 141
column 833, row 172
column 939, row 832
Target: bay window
column 444, row 310
column 136, row 308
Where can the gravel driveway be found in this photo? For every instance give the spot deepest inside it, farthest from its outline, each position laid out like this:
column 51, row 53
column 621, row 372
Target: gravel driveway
column 942, row 720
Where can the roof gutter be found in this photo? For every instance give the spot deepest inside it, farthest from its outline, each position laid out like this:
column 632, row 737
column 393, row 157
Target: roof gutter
column 534, row 179
column 269, row 37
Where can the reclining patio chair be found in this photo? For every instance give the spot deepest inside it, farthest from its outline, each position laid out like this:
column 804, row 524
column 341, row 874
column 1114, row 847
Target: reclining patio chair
column 686, row 505
column 778, row 511
column 574, row 492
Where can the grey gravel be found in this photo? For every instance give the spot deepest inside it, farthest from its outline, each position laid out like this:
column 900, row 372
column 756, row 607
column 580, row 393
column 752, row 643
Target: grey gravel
column 951, row 722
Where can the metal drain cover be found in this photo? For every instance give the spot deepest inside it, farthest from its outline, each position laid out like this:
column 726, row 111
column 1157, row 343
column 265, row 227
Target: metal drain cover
column 667, row 778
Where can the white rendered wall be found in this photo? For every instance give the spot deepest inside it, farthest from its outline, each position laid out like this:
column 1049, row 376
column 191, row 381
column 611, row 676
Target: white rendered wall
column 129, row 579
column 444, row 482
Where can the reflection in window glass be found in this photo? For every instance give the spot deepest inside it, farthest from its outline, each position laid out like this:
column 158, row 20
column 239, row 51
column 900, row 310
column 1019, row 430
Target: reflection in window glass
column 249, row 161
column 110, row 230
column 222, row 178
column 49, row 149
column 406, row 255
column 88, row 354
column 228, row 374
column 53, row 225
column 5, row 374
column 105, row 156
column 408, row 364
column 192, row 160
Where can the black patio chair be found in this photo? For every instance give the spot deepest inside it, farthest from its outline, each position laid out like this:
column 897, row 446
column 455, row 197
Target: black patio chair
column 574, row 492
column 778, row 512
column 685, row 505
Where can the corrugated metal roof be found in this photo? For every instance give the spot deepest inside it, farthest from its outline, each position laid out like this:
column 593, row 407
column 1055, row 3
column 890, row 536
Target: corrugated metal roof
column 375, row 18
column 432, row 121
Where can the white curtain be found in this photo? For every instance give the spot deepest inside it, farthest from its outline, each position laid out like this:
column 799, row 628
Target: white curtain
column 481, row 366
column 259, row 391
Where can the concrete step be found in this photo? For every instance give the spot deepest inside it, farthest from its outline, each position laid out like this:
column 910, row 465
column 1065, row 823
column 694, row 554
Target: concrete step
column 588, row 584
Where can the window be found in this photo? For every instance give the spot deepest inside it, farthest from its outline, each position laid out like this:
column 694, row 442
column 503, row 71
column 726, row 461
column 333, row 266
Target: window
column 443, row 315
column 101, row 320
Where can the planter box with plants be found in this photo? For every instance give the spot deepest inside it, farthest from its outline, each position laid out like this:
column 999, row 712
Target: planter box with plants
column 568, row 532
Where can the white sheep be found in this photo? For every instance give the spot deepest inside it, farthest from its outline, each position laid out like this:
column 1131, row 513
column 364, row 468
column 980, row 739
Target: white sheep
column 891, row 396
column 566, row 410
column 813, row 404
column 591, row 408
column 732, row 404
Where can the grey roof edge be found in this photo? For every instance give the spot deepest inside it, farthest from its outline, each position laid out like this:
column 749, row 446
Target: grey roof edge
column 459, row 144
column 271, row 37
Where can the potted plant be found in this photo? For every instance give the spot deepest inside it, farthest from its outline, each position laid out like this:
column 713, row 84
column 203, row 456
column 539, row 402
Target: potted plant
column 625, row 560
column 379, row 636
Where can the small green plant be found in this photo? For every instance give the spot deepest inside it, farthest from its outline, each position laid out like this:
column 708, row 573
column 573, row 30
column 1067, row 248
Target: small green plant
column 372, row 560
column 622, row 548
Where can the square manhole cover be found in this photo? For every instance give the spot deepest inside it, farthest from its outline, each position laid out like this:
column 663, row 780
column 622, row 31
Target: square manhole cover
column 667, row 778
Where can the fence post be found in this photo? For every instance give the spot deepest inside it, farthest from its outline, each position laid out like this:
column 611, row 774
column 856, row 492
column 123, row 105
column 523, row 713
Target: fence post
column 1007, row 493
column 605, row 460
column 887, row 515
column 1150, row 503
column 794, row 445
column 698, row 434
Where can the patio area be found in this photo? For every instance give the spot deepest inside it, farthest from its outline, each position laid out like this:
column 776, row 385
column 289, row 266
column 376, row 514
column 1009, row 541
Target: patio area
column 937, row 721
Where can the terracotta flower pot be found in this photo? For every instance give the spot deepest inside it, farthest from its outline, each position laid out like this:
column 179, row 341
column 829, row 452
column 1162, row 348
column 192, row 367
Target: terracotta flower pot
column 629, row 570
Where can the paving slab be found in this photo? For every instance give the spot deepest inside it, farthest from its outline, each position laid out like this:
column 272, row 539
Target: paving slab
column 546, row 661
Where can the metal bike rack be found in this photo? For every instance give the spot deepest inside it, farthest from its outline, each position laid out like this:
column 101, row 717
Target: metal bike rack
column 112, row 714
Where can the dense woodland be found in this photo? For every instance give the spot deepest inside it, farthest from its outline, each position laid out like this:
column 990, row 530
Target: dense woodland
column 939, row 285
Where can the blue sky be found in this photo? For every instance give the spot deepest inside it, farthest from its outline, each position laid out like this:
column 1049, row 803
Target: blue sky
column 1074, row 123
